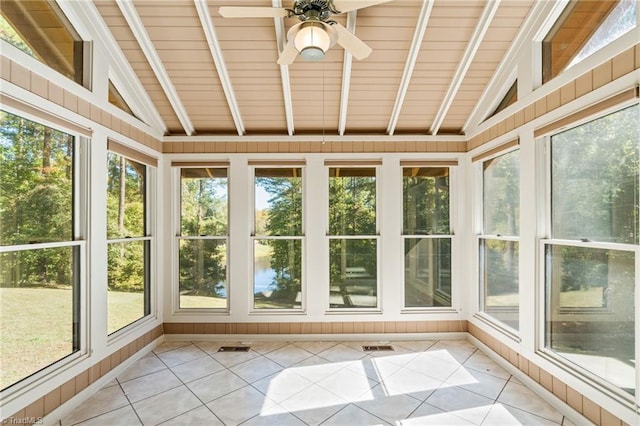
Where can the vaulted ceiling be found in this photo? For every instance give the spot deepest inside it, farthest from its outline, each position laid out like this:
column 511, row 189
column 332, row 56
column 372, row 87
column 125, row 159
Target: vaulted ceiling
column 431, row 64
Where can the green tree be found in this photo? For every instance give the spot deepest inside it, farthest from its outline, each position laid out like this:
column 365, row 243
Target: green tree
column 595, row 191
column 36, row 201
column 501, row 215
column 204, row 213
column 283, row 218
column 125, row 219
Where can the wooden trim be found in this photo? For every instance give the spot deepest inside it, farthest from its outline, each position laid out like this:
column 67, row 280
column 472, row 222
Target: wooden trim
column 125, row 151
column 48, row 117
column 499, row 148
column 276, row 163
column 322, row 327
column 587, row 112
column 348, row 163
column 418, row 163
column 199, row 164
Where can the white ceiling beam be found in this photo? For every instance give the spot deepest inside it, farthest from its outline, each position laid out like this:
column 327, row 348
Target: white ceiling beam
column 412, row 57
column 86, row 18
column 530, row 27
column 281, row 40
column 479, row 32
column 347, row 65
column 142, row 37
column 324, row 138
column 202, row 7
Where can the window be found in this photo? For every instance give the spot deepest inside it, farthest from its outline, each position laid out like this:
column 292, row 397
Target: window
column 115, row 98
column 129, row 242
column 510, row 98
column 277, row 243
column 426, row 233
column 353, row 241
column 590, row 274
column 40, row 29
column 584, row 27
column 499, row 242
column 203, row 240
column 40, row 247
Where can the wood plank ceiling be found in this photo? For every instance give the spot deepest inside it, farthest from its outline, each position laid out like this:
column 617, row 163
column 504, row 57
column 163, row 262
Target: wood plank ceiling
column 206, row 75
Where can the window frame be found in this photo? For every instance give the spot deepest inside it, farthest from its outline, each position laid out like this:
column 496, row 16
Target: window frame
column 546, row 240
column 482, row 237
column 256, row 236
column 177, row 167
column 355, row 164
column 80, row 226
column 451, row 166
column 148, row 240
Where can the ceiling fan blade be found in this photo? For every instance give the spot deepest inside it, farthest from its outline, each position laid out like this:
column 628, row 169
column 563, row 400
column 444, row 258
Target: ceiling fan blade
column 349, row 5
column 351, row 43
column 252, row 12
column 288, row 55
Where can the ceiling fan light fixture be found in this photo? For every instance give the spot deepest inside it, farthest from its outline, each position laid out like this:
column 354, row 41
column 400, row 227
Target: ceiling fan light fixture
column 312, row 41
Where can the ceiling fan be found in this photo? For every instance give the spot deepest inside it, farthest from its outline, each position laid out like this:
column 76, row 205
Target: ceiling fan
column 316, row 33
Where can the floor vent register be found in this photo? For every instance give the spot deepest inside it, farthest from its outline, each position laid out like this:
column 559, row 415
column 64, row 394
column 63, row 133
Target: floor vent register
column 370, row 348
column 234, row 349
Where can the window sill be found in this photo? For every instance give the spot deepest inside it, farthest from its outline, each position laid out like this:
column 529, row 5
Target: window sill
column 362, row 311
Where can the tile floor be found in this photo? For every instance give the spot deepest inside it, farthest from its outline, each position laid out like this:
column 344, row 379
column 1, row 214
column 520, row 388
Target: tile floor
column 429, row 382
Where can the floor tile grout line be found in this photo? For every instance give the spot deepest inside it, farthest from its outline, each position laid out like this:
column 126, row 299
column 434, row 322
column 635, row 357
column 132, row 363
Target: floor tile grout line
column 277, row 403
column 373, row 377
column 97, row 415
column 534, row 414
column 106, row 412
column 373, row 414
column 185, row 362
column 143, row 375
column 340, row 409
column 192, row 392
column 316, row 383
column 523, row 409
column 357, row 406
column 503, row 388
column 188, row 411
column 334, row 344
column 131, row 405
column 223, row 395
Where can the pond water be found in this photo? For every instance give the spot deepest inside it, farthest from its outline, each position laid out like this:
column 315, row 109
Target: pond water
column 262, row 279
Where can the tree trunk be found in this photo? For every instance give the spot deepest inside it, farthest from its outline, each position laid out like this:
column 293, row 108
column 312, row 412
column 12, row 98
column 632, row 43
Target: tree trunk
column 121, row 203
column 46, row 152
column 199, row 272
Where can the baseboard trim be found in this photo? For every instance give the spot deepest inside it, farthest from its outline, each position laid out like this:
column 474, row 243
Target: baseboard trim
column 383, row 337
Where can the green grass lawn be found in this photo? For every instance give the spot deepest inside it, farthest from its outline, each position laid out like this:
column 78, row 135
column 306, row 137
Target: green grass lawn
column 36, row 327
column 123, row 308
column 35, row 330
column 587, row 298
column 204, row 302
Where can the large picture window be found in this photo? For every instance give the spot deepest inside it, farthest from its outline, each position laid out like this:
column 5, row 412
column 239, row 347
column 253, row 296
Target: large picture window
column 203, row 240
column 129, row 242
column 590, row 259
column 40, row 247
column 277, row 243
column 353, row 241
column 426, row 233
column 499, row 242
